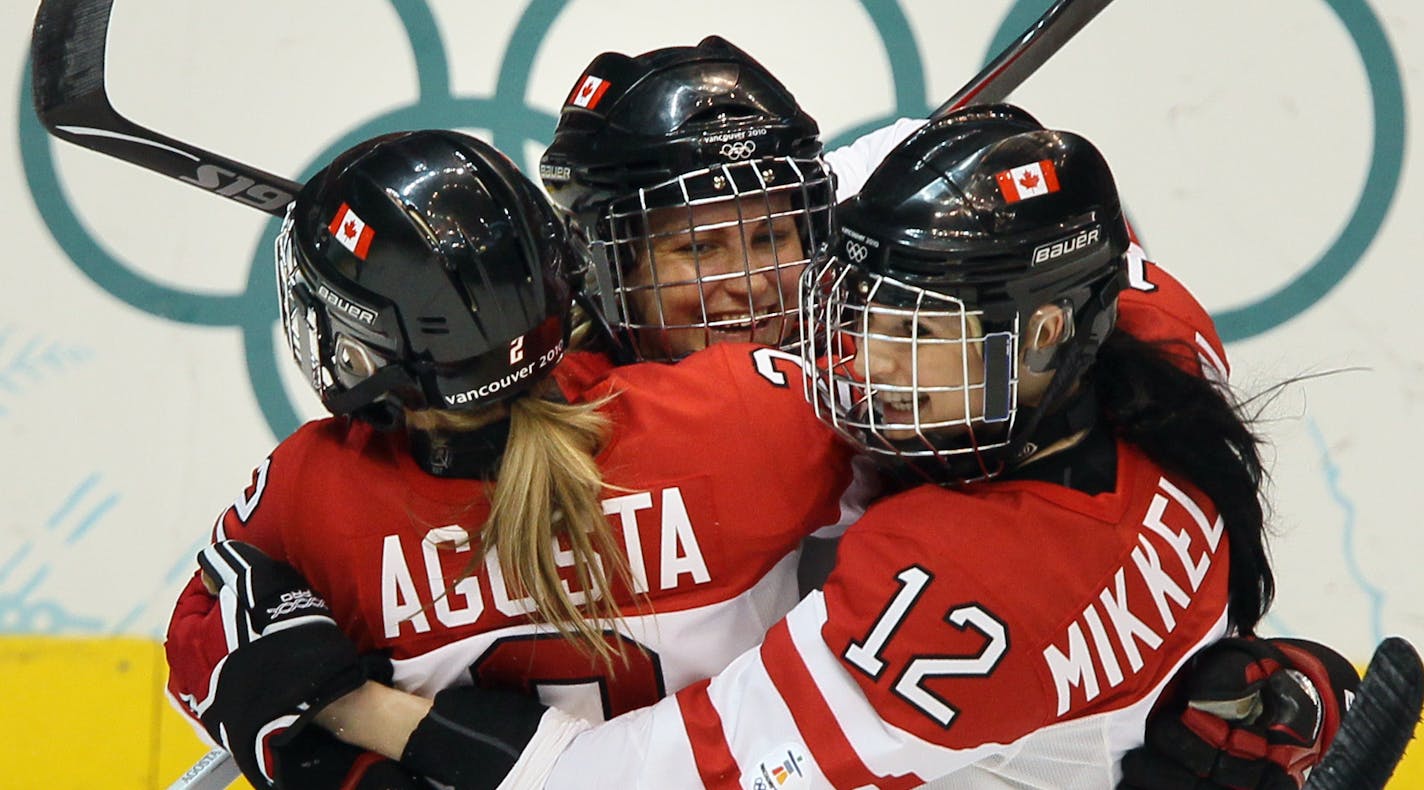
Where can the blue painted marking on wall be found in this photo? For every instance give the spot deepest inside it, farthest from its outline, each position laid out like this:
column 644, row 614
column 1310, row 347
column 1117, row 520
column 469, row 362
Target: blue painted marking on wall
column 33, row 362
column 1352, row 559
column 71, row 501
column 21, row 613
column 15, row 560
column 91, row 518
column 186, row 563
column 126, row 622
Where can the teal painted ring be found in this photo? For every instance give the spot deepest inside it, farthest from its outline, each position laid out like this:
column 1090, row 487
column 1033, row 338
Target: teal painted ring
column 512, row 123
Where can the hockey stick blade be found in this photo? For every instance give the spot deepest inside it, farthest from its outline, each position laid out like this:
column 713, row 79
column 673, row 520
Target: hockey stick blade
column 1379, row 725
column 1021, row 59
column 67, row 50
column 214, row 772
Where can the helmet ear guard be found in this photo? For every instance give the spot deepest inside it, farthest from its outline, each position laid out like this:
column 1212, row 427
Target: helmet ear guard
column 1038, row 355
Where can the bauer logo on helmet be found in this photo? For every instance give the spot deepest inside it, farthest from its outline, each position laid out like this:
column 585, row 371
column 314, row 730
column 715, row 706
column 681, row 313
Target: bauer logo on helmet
column 1057, row 249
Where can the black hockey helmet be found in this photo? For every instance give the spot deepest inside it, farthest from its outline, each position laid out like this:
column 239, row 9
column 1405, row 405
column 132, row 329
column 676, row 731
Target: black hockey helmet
column 423, row 270
column 975, row 222
column 684, row 128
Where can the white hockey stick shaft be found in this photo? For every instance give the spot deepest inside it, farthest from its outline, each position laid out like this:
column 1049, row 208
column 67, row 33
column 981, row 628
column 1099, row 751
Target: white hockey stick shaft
column 214, row 772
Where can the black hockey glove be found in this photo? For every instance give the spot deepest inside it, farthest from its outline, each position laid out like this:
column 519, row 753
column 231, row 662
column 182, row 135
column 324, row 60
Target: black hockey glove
column 287, row 659
column 472, row 737
column 1247, row 714
column 316, row 760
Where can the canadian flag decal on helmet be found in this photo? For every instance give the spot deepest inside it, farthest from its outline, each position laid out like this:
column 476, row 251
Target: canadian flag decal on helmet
column 1026, row 181
column 588, row 92
column 351, row 231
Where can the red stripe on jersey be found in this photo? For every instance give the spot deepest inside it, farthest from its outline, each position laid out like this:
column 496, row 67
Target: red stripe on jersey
column 814, row 718
column 715, row 763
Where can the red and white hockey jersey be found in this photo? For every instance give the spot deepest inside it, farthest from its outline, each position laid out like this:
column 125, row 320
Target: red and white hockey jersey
column 1011, row 633
column 1155, row 307
column 710, row 510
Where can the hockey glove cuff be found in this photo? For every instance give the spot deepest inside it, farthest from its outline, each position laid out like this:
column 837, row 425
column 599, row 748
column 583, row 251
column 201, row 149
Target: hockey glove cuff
column 287, row 659
column 472, row 737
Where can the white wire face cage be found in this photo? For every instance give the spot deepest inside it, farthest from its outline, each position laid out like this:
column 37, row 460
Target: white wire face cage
column 331, row 359
column 907, row 374
column 714, row 255
column 303, row 323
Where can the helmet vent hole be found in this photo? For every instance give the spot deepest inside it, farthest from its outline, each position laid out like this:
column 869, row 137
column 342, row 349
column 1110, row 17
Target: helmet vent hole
column 433, row 325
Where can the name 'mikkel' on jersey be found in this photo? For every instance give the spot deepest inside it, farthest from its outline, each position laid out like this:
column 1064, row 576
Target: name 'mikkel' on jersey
column 1141, row 621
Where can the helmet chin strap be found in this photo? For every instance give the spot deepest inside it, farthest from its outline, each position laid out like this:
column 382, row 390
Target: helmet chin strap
column 1075, row 415
column 620, row 345
column 357, row 400
column 474, row 454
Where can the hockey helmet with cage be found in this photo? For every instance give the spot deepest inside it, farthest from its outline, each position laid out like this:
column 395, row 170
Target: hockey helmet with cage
column 646, row 146
column 423, row 270
column 967, row 228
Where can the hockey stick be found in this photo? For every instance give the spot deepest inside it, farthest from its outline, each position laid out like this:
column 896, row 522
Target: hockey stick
column 1379, row 725
column 214, row 772
column 1022, row 58
column 67, row 50
column 67, row 58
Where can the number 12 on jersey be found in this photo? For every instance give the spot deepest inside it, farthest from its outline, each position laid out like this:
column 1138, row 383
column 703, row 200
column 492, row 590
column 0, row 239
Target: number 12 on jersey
column 909, row 686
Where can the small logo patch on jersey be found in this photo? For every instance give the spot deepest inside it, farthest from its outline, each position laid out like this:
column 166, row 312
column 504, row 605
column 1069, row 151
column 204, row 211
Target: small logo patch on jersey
column 783, row 768
column 589, row 92
column 1027, row 181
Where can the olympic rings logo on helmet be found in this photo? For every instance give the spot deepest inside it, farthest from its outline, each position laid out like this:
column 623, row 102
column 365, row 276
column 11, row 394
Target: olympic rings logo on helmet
column 738, row 149
column 856, row 252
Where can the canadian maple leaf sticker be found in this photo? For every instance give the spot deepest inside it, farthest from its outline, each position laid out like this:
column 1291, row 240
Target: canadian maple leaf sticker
column 1027, row 181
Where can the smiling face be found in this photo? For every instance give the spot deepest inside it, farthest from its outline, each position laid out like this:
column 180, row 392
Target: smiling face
column 923, row 370
column 718, row 272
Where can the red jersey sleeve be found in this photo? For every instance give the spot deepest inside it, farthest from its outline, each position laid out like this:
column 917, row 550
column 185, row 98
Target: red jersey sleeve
column 196, row 640
column 1157, row 308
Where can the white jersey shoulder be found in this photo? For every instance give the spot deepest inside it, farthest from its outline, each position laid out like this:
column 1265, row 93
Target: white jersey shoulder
column 853, row 163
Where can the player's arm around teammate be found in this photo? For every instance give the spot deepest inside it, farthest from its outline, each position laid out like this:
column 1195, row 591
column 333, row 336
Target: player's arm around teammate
column 393, row 309
column 1076, row 514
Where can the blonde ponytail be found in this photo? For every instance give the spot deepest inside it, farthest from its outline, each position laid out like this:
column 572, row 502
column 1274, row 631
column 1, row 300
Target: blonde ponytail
column 549, row 487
